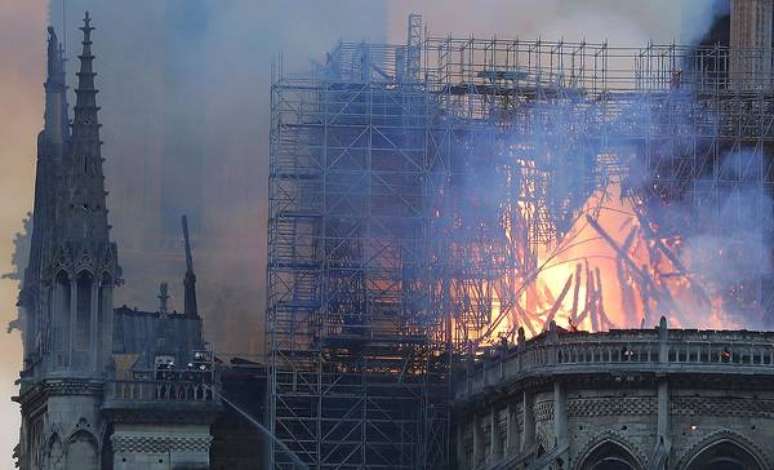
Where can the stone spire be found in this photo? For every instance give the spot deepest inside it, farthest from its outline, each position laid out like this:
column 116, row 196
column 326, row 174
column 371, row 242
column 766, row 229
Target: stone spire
column 85, row 125
column 189, row 282
column 55, row 130
column 68, row 288
column 82, row 261
column 85, row 192
column 52, row 143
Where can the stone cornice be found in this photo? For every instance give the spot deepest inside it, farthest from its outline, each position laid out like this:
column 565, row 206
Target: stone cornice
column 35, row 396
column 608, row 379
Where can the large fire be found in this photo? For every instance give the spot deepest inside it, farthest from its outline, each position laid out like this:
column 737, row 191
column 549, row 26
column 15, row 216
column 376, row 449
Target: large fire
column 610, row 270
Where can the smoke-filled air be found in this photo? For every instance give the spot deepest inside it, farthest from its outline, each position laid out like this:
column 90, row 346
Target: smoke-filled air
column 605, row 193
column 186, row 121
column 558, row 216
column 184, row 86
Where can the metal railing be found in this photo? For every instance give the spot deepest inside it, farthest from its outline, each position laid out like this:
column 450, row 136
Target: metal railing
column 197, row 382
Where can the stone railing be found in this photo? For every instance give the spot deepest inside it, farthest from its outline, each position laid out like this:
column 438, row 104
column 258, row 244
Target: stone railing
column 658, row 350
column 198, row 382
column 158, row 390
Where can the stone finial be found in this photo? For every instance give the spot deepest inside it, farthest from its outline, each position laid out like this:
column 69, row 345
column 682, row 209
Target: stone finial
column 87, row 22
column 56, row 122
column 663, row 336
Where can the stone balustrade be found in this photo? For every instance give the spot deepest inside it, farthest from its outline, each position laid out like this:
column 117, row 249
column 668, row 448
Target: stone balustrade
column 158, row 390
column 658, row 350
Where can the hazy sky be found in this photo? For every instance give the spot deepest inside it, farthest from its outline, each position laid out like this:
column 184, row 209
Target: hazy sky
column 621, row 22
column 184, row 89
column 241, row 38
column 22, row 48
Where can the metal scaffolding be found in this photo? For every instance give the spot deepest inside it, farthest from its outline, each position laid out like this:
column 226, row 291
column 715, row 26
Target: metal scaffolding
column 354, row 373
column 410, row 186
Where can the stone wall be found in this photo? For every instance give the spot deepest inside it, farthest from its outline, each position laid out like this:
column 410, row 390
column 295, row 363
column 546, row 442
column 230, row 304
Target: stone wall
column 628, row 418
column 137, row 447
column 570, row 410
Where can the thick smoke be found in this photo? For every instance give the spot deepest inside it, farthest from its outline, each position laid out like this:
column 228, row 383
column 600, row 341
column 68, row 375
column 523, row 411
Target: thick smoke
column 718, row 226
column 191, row 77
column 622, row 23
column 185, row 97
column 731, row 250
column 185, row 106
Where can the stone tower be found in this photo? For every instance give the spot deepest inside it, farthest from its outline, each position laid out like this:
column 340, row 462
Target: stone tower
column 67, row 291
column 751, row 38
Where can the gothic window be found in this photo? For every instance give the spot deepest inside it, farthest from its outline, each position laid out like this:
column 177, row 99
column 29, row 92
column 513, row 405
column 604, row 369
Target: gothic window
column 54, row 457
column 724, row 455
column 104, row 303
column 35, row 443
column 83, row 317
column 610, row 456
column 82, row 452
column 61, row 318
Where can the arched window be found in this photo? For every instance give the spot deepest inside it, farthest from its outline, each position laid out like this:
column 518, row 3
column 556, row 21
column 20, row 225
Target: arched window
column 83, row 317
column 61, row 318
column 724, row 455
column 610, row 456
column 54, row 456
column 35, row 443
column 82, row 452
column 107, row 449
column 104, row 307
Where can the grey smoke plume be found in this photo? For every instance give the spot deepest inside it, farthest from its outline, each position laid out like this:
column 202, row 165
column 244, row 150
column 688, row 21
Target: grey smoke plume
column 731, row 250
column 133, row 53
column 722, row 221
column 185, row 108
column 185, row 90
column 624, row 23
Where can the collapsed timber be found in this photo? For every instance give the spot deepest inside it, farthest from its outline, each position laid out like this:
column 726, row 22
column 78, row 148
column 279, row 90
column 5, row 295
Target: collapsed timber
column 432, row 199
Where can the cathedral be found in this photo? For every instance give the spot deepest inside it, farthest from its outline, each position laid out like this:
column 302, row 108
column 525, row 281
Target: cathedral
column 356, row 377
column 101, row 387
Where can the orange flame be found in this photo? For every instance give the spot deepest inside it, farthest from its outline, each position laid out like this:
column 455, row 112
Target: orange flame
column 608, row 271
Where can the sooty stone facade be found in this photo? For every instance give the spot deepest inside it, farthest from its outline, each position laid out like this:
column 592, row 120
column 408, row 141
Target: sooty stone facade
column 626, row 399
column 100, row 387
